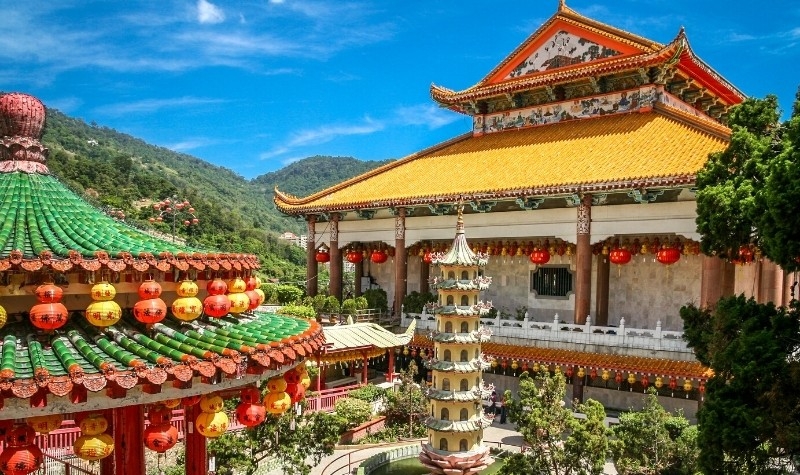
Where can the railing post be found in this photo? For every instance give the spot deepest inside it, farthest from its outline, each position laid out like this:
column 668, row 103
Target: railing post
column 554, row 328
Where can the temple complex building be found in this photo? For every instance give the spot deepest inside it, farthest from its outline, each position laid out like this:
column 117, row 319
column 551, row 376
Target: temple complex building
column 578, row 178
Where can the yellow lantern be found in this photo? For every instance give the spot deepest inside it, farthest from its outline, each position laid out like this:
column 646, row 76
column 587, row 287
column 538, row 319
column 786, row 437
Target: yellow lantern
column 93, row 447
column 659, row 382
column 277, row 402
column 557, row 369
column 581, row 372
column 631, row 378
column 236, row 286
column 405, row 351
column 687, row 385
column 211, row 424
column 93, row 424
column 212, row 403
column 46, row 424
column 605, row 375
column 3, row 317
column 276, row 385
column 171, row 403
column 258, row 282
column 494, row 363
column 103, row 291
column 103, row 313
column 239, row 302
column 305, row 379
column 514, row 364
column 536, row 367
column 187, row 308
column 187, row 288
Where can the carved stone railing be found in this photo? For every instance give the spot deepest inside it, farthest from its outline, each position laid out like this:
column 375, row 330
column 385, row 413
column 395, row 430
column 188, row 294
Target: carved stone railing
column 554, row 331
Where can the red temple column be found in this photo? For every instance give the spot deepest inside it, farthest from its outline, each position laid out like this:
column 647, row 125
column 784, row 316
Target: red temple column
column 390, row 370
column 583, row 272
column 128, row 430
column 400, row 269
column 357, row 279
column 424, row 276
column 108, row 464
column 711, row 277
column 364, row 370
column 601, row 290
column 311, row 256
column 335, row 285
column 196, row 453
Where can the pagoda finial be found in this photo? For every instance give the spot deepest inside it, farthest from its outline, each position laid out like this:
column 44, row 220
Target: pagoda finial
column 21, row 125
column 562, row 5
column 460, row 219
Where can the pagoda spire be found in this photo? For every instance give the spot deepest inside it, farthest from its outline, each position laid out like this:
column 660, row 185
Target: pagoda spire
column 21, row 126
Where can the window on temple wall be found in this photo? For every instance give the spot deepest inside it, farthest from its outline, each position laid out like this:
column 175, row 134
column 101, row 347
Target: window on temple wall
column 448, row 327
column 464, row 327
column 478, row 382
column 476, row 353
column 464, row 355
column 476, row 300
column 450, row 300
column 462, row 445
column 552, row 282
column 451, row 275
column 464, row 275
column 445, row 414
column 463, row 385
column 442, row 444
column 463, row 415
column 447, row 355
column 445, row 384
column 464, row 300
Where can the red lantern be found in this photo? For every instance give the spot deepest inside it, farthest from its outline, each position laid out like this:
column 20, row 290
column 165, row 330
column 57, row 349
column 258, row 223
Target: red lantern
column 668, row 255
column 250, row 415
column 540, row 256
column 323, row 256
column 150, row 311
column 150, row 289
column 645, row 381
column 159, row 415
column 190, row 400
column 20, row 436
column 217, row 306
column 296, row 392
column 673, row 383
column 292, row 376
column 569, row 373
column 250, row 283
column 618, row 377
column 593, row 373
column 251, row 396
column 48, row 293
column 49, row 316
column 255, row 299
column 160, row 437
column 20, row 460
column 702, row 387
column 619, row 256
column 378, row 256
column 217, row 287
column 354, row 257
column 427, row 258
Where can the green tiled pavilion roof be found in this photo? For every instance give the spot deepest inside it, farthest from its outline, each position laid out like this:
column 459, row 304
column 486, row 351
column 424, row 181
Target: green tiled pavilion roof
column 83, row 355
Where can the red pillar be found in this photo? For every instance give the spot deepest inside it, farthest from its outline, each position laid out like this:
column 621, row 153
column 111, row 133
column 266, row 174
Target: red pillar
column 601, row 292
column 196, row 454
column 107, row 465
column 128, row 440
column 335, row 285
column 311, row 257
column 583, row 272
column 711, row 277
column 357, row 279
column 400, row 269
column 364, row 373
column 390, row 371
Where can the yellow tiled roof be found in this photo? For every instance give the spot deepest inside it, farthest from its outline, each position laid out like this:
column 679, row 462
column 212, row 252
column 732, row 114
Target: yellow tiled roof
column 612, row 152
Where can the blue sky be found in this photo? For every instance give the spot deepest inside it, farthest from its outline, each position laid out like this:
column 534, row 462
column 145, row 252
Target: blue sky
column 253, row 85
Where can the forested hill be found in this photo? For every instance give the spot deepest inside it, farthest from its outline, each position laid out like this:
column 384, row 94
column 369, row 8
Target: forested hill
column 307, row 176
column 117, row 170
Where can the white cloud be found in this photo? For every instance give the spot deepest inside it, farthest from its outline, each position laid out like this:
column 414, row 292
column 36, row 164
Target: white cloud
column 147, row 106
column 425, row 114
column 323, row 134
column 192, row 144
column 207, row 12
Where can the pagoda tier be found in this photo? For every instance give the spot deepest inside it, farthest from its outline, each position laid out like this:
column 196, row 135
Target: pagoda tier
column 457, row 420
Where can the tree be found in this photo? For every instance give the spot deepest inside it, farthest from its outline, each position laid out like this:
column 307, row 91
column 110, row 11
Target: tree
column 748, row 195
column 750, row 421
column 295, row 443
column 407, row 404
column 653, row 441
column 560, row 442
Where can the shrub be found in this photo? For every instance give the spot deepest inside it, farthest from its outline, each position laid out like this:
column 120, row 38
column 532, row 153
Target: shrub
column 415, row 301
column 319, row 303
column 355, row 411
column 270, row 293
column 349, row 306
column 369, row 393
column 332, row 304
column 361, row 303
column 288, row 294
column 301, row 311
column 376, row 298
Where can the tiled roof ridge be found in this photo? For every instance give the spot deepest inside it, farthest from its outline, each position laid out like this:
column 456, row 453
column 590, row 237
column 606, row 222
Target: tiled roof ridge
column 571, row 16
column 707, row 125
column 684, row 39
column 281, row 197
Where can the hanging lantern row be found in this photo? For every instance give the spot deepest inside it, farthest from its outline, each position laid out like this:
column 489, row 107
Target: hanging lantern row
column 350, row 356
column 103, row 311
column 20, row 455
column 160, row 435
column 212, row 422
column 49, row 314
column 94, row 443
column 151, row 308
column 746, row 254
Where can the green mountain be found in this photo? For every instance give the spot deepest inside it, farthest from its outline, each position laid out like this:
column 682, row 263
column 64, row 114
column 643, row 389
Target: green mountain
column 121, row 172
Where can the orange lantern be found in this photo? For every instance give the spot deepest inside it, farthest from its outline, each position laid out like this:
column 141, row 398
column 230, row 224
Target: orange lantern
column 149, row 289
column 211, row 424
column 251, row 396
column 48, row 293
column 159, row 415
column 354, row 257
column 254, row 298
column 539, row 256
column 217, row 287
column 323, row 256
column 619, row 256
column 668, row 255
column 276, row 385
column 150, row 311
column 160, row 438
column 292, row 376
column 46, row 424
column 216, row 306
column 378, row 256
column 93, row 447
column 251, row 283
column 49, row 316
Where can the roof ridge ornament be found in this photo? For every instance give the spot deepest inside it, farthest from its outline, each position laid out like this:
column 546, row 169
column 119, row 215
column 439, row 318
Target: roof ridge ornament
column 22, row 119
column 562, row 5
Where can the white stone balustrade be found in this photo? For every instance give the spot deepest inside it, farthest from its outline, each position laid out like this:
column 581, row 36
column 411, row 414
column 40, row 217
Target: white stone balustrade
column 620, row 337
